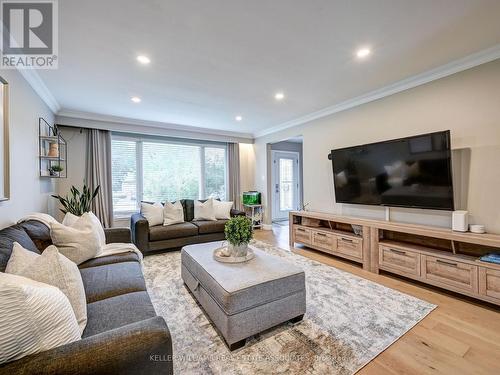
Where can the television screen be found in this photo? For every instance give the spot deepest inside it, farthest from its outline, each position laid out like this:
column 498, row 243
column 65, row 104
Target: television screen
column 407, row 172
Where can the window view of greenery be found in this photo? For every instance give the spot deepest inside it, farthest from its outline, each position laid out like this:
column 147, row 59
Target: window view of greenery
column 123, row 168
column 169, row 171
column 215, row 173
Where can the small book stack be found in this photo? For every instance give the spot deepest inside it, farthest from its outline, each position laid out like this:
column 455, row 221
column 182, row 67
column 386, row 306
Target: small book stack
column 491, row 258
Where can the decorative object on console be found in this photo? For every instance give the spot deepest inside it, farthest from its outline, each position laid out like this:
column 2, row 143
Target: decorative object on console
column 491, row 258
column 77, row 202
column 460, row 221
column 478, row 228
column 239, row 233
column 357, row 229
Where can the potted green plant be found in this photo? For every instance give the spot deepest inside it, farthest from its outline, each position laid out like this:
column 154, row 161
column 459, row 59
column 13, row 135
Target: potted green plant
column 55, row 170
column 77, row 202
column 239, row 232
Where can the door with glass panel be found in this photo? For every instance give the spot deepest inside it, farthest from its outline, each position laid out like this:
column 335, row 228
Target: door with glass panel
column 285, row 183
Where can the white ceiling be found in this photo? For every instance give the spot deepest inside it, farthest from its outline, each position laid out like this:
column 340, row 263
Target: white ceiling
column 213, row 60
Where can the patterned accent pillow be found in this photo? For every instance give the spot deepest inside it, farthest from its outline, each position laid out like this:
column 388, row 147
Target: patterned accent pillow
column 53, row 269
column 35, row 317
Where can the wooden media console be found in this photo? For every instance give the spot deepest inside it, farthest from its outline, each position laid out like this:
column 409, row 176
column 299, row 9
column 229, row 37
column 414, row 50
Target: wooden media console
column 432, row 255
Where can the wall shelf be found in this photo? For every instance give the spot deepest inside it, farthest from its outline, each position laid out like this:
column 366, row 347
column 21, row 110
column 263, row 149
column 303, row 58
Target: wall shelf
column 52, row 150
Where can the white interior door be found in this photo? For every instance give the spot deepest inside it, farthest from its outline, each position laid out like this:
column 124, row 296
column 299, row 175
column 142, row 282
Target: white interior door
column 285, row 183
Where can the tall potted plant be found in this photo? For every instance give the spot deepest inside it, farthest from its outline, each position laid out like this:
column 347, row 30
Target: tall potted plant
column 77, row 202
column 239, row 232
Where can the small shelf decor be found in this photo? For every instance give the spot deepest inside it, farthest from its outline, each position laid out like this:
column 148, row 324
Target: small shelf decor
column 52, row 151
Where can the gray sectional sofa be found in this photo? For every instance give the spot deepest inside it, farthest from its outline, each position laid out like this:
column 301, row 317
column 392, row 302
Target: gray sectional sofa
column 160, row 237
column 123, row 333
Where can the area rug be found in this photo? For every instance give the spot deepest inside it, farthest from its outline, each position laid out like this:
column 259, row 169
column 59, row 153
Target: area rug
column 349, row 321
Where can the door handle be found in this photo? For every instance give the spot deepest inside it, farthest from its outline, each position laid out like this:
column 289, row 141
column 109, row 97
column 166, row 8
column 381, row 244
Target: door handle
column 277, row 188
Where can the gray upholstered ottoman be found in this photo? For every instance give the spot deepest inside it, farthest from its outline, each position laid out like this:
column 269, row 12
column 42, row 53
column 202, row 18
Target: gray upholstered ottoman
column 247, row 298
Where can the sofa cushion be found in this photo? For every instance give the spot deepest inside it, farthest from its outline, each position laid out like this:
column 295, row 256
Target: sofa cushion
column 210, row 226
column 180, row 230
column 110, row 259
column 118, row 311
column 8, row 236
column 112, row 280
column 38, row 232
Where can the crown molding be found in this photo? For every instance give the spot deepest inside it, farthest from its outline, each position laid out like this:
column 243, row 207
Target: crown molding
column 453, row 67
column 34, row 80
column 125, row 124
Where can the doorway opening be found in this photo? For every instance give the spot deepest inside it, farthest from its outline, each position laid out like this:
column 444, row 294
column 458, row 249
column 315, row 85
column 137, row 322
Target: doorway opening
column 286, row 178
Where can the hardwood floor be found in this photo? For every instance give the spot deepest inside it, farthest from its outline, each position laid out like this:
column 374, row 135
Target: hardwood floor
column 461, row 336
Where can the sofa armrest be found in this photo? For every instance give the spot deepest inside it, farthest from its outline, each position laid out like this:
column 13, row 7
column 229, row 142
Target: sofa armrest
column 139, row 227
column 117, row 235
column 235, row 212
column 144, row 347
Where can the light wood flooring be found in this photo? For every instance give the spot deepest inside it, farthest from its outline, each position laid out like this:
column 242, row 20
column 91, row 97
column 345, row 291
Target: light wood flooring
column 461, row 336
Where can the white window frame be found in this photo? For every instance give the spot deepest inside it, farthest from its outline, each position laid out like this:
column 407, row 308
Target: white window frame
column 140, row 139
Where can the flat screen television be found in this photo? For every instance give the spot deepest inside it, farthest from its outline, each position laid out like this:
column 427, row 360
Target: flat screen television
column 407, row 172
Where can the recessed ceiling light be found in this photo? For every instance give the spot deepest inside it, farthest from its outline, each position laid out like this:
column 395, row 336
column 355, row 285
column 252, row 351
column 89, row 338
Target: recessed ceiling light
column 238, row 118
column 279, row 96
column 363, row 52
column 135, row 99
column 143, row 59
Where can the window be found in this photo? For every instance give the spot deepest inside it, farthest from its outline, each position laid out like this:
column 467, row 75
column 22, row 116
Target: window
column 157, row 170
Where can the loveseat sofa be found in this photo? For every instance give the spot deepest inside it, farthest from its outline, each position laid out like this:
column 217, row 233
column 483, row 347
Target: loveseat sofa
column 160, row 237
column 123, row 333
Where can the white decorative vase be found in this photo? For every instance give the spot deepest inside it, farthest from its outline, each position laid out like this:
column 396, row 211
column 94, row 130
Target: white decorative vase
column 238, row 250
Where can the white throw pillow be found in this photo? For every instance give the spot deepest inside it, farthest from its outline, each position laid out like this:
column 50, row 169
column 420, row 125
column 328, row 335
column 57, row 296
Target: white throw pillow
column 204, row 211
column 53, row 269
column 79, row 242
column 70, row 220
column 222, row 209
column 153, row 213
column 34, row 317
column 173, row 213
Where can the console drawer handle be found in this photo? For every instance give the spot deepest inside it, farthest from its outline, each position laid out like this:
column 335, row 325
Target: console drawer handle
column 446, row 263
column 347, row 240
column 399, row 252
column 321, row 234
column 300, row 230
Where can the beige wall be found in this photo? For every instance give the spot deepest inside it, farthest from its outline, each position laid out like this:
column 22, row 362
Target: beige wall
column 28, row 192
column 467, row 103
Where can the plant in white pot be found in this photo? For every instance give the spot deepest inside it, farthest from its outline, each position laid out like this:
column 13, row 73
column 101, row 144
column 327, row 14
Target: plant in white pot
column 239, row 232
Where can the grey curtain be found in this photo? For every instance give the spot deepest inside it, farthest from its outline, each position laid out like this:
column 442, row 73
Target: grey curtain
column 98, row 173
column 233, row 158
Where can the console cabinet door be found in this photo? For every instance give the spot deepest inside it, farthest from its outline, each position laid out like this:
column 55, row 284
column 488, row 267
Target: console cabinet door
column 489, row 283
column 303, row 235
column 399, row 260
column 325, row 241
column 351, row 247
column 450, row 274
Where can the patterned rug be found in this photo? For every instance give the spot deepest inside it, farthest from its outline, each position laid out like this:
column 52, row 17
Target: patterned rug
column 349, row 321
